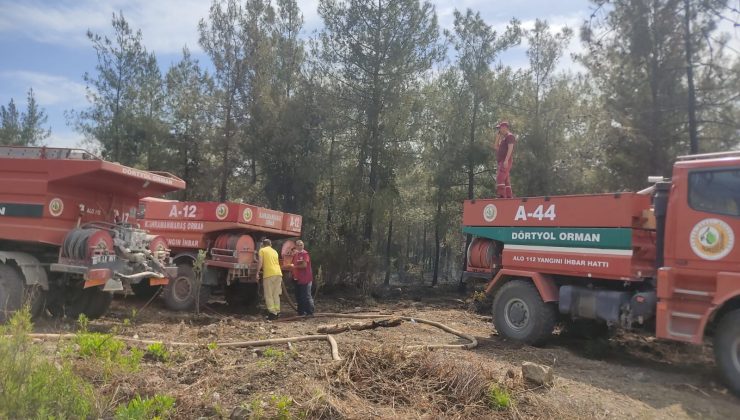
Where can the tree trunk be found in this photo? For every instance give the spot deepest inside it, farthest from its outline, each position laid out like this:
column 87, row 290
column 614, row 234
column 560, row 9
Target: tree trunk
column 387, row 280
column 423, row 252
column 471, row 179
column 437, row 218
column 693, row 135
column 330, row 205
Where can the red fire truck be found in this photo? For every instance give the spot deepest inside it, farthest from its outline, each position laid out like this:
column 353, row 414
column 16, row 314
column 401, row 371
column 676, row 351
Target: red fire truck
column 67, row 232
column 664, row 258
column 228, row 233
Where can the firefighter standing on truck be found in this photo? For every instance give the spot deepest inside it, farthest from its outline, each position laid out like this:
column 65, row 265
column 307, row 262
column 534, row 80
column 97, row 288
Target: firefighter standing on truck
column 504, row 145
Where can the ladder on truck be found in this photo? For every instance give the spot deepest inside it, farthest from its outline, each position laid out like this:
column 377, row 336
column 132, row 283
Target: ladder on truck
column 22, row 152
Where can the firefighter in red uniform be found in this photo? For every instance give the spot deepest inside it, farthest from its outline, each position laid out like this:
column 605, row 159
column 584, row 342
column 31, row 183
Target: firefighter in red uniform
column 504, row 145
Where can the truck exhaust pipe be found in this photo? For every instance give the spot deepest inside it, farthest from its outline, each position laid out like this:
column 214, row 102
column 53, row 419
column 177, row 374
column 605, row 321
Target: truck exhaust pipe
column 660, row 205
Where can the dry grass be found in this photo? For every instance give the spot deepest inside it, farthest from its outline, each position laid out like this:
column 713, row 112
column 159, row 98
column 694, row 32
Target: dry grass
column 388, row 382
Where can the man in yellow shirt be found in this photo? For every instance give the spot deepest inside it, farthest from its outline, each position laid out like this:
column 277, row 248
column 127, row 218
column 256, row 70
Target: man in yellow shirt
column 272, row 278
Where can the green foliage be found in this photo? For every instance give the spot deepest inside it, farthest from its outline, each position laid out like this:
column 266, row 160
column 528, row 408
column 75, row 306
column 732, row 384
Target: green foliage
column 158, row 351
column 498, row 397
column 212, row 346
column 23, row 128
column 109, row 351
column 83, row 322
column 272, row 353
column 33, row 387
column 158, row 407
column 282, row 406
column 278, row 407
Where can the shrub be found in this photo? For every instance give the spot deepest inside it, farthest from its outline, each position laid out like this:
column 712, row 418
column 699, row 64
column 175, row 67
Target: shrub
column 109, row 351
column 156, row 407
column 272, row 353
column 101, row 346
column 278, row 407
column 33, row 387
column 282, row 405
column 158, row 351
column 498, row 397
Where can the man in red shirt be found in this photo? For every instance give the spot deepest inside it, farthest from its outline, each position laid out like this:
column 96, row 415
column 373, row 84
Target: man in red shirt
column 504, row 145
column 303, row 276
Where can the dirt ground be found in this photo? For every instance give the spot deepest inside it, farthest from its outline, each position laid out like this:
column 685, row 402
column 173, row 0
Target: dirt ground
column 627, row 376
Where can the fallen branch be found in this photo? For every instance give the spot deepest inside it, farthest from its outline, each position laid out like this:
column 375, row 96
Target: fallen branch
column 360, row 325
column 472, row 342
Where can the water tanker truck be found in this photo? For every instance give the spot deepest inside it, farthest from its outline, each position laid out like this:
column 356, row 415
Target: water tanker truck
column 68, row 236
column 663, row 259
column 228, row 233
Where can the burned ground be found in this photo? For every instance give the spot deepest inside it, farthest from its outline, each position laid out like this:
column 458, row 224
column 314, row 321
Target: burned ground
column 625, row 376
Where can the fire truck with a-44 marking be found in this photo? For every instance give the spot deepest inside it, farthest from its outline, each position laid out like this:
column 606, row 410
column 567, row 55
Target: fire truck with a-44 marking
column 664, row 259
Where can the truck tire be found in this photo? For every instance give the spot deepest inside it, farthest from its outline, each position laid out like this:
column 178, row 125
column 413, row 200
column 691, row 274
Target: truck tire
column 727, row 349
column 180, row 294
column 11, row 291
column 98, row 302
column 76, row 300
column 35, row 297
column 520, row 314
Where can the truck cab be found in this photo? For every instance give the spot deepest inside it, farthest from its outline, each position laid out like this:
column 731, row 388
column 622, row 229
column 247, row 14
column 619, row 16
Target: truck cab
column 699, row 282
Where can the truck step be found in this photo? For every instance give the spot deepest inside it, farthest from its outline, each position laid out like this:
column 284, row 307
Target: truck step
column 691, row 292
column 686, row 315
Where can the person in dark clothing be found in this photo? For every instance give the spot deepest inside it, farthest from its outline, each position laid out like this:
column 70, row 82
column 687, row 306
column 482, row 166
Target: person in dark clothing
column 303, row 276
column 504, row 146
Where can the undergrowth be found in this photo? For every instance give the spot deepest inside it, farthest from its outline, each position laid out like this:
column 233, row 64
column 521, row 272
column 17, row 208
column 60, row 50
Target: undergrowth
column 32, row 386
column 498, row 397
column 155, row 408
column 158, row 351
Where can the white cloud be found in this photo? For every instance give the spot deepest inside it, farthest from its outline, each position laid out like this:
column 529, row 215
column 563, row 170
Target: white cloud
column 166, row 25
column 49, row 90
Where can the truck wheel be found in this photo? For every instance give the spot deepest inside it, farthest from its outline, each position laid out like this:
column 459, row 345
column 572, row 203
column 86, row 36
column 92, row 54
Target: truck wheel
column 180, row 293
column 11, row 291
column 143, row 290
column 76, row 300
column 520, row 314
column 35, row 297
column 727, row 349
column 98, row 302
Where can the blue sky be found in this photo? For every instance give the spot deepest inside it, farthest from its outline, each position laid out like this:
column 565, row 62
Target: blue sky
column 43, row 43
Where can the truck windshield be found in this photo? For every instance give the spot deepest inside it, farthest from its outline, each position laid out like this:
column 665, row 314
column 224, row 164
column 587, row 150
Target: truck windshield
column 715, row 191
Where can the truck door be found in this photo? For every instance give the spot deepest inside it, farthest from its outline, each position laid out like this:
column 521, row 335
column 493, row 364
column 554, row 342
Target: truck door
column 706, row 220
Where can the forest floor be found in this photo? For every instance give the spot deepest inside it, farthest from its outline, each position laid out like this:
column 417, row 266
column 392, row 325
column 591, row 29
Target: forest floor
column 625, row 376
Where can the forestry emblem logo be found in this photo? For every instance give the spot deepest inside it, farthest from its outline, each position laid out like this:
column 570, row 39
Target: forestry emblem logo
column 56, row 207
column 490, row 212
column 712, row 239
column 247, row 214
column 222, row 211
